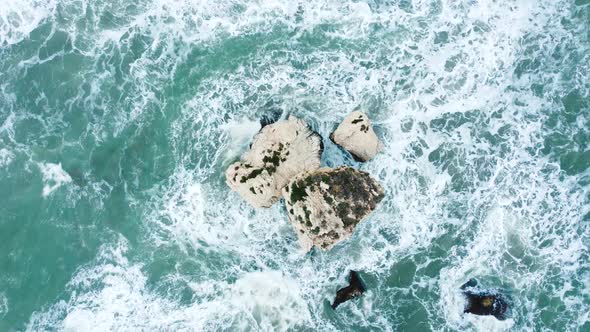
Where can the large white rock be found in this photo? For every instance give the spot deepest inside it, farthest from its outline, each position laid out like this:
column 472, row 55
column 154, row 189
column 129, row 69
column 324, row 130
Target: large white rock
column 326, row 204
column 279, row 152
column 355, row 134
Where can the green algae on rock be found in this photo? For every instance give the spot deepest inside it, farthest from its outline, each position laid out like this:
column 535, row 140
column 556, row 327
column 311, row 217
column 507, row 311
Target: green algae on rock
column 326, row 204
column 279, row 151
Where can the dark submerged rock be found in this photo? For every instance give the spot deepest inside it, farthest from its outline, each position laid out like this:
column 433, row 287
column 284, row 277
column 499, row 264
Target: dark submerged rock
column 272, row 113
column 354, row 290
column 484, row 302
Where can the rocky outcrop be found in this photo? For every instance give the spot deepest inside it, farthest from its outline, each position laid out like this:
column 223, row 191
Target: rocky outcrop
column 279, row 151
column 352, row 291
column 484, row 302
column 325, row 205
column 355, row 134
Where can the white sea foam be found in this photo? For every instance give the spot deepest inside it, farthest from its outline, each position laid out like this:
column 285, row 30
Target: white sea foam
column 53, row 177
column 240, row 134
column 112, row 294
column 19, row 17
column 488, row 247
column 3, row 305
column 5, row 157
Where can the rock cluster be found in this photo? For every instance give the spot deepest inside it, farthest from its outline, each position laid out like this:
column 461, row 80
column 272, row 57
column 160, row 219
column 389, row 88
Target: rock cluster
column 324, row 205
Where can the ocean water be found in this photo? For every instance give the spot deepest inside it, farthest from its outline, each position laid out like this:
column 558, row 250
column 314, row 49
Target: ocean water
column 119, row 117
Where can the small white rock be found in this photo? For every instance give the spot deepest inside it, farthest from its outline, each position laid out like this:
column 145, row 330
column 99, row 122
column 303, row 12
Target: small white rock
column 355, row 134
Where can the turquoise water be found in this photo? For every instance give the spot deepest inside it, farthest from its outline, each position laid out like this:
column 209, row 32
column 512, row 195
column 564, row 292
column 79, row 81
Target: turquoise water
column 118, row 119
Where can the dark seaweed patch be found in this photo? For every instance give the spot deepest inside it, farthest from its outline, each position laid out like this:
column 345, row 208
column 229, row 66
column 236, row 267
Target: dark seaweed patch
column 358, row 210
column 298, row 192
column 252, row 175
column 349, row 221
column 275, row 159
column 307, row 213
column 343, row 209
column 332, row 234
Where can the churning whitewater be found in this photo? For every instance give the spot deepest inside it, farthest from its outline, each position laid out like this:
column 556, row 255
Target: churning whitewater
column 118, row 119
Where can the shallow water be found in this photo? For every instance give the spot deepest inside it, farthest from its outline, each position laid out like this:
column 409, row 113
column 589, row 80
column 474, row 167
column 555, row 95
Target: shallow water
column 118, row 119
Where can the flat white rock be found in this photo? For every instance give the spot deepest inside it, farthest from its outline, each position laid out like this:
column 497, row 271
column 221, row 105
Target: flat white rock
column 356, row 135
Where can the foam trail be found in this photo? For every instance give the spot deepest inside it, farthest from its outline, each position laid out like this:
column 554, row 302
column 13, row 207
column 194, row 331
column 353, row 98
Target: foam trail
column 3, row 305
column 113, row 294
column 19, row 18
column 5, row 157
column 54, row 177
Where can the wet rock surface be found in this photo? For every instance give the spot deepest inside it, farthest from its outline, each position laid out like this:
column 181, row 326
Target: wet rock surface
column 354, row 290
column 325, row 205
column 484, row 302
column 271, row 116
column 278, row 152
column 356, row 135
